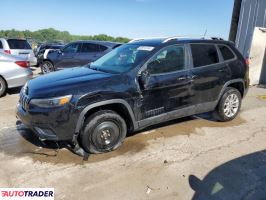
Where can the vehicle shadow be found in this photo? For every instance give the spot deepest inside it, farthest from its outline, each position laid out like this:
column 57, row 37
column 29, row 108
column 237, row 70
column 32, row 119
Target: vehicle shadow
column 15, row 90
column 242, row 178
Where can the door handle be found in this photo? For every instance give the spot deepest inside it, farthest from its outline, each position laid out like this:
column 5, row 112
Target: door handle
column 222, row 70
column 193, row 76
column 181, row 78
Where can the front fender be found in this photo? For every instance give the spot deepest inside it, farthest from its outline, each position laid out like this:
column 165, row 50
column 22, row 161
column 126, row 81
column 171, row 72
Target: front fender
column 103, row 103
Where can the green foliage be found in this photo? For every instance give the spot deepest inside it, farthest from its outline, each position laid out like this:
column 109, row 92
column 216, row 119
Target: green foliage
column 50, row 35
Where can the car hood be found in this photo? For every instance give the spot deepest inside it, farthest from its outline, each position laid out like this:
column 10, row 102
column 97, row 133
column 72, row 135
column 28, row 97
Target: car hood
column 68, row 81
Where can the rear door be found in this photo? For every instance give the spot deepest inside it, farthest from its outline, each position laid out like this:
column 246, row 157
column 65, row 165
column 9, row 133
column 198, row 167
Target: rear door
column 208, row 75
column 89, row 53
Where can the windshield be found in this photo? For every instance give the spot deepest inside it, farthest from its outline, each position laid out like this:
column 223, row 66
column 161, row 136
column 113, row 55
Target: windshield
column 122, row 58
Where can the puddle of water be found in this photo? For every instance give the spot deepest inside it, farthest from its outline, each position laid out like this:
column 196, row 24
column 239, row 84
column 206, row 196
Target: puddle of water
column 22, row 142
column 262, row 97
column 185, row 126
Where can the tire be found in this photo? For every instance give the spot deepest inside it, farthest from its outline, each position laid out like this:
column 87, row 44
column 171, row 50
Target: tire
column 103, row 131
column 47, row 67
column 229, row 105
column 3, row 87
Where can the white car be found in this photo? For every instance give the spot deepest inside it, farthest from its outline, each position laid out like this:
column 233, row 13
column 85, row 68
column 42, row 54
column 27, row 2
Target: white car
column 18, row 47
column 14, row 72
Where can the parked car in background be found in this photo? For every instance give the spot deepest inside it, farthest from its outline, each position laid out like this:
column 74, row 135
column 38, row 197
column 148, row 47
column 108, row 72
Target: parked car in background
column 14, row 72
column 42, row 53
column 136, row 85
column 18, row 47
column 48, row 45
column 75, row 54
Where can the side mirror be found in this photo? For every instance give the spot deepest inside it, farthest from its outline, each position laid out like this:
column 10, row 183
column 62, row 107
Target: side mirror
column 143, row 79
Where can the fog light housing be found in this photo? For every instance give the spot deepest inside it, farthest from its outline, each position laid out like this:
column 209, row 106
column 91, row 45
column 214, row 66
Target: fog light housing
column 45, row 133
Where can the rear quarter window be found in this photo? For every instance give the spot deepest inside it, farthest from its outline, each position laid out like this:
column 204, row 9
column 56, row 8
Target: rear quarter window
column 226, row 52
column 18, row 44
column 116, row 46
column 204, row 54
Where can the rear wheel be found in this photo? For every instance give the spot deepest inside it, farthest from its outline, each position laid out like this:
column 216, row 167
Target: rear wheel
column 103, row 131
column 3, row 87
column 229, row 105
column 47, row 67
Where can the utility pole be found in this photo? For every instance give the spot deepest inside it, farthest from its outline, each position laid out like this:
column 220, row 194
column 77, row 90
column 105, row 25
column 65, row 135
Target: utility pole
column 235, row 20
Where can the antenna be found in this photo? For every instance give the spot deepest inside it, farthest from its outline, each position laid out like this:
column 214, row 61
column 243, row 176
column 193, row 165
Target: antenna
column 205, row 33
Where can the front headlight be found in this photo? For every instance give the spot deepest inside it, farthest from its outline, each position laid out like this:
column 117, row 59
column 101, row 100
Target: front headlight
column 51, row 102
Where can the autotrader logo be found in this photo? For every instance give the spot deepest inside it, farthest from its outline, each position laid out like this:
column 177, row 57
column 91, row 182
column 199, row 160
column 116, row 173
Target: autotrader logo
column 27, row 193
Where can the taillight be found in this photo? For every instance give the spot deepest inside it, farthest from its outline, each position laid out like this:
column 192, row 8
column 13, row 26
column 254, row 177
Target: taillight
column 7, row 51
column 247, row 61
column 23, row 64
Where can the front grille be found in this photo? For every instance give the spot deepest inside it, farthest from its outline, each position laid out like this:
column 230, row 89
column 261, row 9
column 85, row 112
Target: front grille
column 24, row 101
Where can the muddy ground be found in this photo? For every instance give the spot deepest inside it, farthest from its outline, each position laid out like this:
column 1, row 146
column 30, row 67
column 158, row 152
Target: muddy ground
column 189, row 158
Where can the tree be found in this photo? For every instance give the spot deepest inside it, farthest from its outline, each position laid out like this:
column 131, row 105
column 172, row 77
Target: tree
column 50, row 35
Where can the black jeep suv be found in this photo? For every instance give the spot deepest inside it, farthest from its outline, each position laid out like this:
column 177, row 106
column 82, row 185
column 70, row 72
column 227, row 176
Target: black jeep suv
column 141, row 83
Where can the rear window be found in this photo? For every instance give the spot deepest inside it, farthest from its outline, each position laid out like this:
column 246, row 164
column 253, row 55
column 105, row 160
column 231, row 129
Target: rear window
column 18, row 44
column 226, row 52
column 204, row 54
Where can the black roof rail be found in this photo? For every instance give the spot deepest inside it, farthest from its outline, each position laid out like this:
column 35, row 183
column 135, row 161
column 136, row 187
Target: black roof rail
column 217, row 38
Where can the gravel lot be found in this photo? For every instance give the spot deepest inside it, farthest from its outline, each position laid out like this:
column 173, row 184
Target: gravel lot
column 190, row 158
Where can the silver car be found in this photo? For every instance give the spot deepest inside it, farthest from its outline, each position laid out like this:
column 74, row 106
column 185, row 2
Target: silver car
column 14, row 72
column 18, row 47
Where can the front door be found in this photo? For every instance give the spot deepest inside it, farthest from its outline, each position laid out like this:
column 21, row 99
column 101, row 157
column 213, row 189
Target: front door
column 167, row 85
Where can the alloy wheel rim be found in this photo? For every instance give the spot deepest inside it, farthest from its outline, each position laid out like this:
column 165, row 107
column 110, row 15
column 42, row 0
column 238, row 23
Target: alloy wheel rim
column 47, row 67
column 231, row 105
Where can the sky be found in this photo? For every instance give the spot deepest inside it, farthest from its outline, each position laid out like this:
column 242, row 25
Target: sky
column 127, row 18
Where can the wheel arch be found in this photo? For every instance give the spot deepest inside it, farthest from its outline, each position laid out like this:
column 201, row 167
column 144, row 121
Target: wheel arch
column 47, row 59
column 118, row 105
column 238, row 84
column 1, row 76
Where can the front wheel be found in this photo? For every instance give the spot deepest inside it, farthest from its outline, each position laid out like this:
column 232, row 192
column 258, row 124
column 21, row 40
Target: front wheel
column 103, row 131
column 229, row 105
column 47, row 67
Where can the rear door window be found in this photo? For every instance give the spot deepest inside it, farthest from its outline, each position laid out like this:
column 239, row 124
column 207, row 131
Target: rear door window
column 72, row 48
column 18, row 44
column 1, row 45
column 102, row 48
column 204, row 54
column 89, row 48
column 226, row 52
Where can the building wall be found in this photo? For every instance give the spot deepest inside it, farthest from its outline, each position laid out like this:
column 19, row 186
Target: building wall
column 263, row 71
column 253, row 14
column 256, row 56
